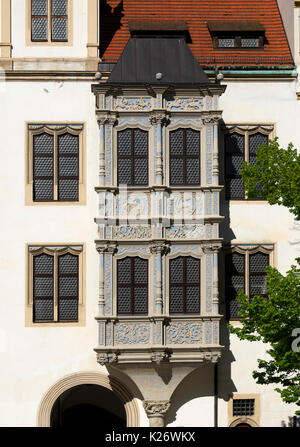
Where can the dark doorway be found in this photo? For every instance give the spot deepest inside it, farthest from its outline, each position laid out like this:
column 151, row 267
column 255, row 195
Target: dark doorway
column 88, row 406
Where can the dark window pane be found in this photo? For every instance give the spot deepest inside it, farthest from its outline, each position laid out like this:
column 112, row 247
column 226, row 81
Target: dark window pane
column 68, row 264
column 68, row 144
column 68, row 286
column 176, row 299
column 140, row 300
column 192, row 142
column 43, row 190
column 258, row 262
column 43, row 166
column 43, row 264
column 124, row 171
column 176, row 270
column 235, row 281
column 176, row 171
column 68, row 166
column 124, row 300
column 192, row 171
column 43, row 144
column 234, row 188
column 258, row 285
column 140, row 142
column 234, row 163
column 59, row 7
column 39, row 7
column 68, row 190
column 140, row 172
column 124, row 270
column 235, row 143
column 43, row 310
column 176, row 142
column 124, row 142
column 256, row 140
column 59, row 29
column 140, row 271
column 68, row 309
column 39, row 29
column 192, row 270
column 192, row 299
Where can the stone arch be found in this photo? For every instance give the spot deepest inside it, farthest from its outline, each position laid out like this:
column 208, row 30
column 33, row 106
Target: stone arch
column 84, row 378
column 244, row 420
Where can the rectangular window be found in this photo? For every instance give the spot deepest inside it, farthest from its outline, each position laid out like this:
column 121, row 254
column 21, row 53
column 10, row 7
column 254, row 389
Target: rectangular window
column 184, row 285
column 55, row 284
column 55, row 163
column 243, row 42
column 241, row 145
column 132, row 286
column 184, row 157
column 245, row 270
column 133, row 157
column 49, row 20
column 243, row 407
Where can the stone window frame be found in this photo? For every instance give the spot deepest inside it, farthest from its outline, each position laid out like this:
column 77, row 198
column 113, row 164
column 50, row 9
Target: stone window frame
column 55, row 250
column 166, row 284
column 246, row 130
column 246, row 250
column 166, row 158
column 132, row 252
column 254, row 420
column 56, row 129
column 49, row 42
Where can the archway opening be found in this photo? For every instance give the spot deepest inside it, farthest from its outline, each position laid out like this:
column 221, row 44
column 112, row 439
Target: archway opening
column 88, row 406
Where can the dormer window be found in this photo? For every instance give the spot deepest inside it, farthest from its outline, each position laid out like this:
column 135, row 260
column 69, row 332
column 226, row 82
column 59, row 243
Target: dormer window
column 237, row 35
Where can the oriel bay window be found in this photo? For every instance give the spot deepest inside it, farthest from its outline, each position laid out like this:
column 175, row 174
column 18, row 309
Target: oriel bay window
column 133, row 157
column 132, row 278
column 55, row 163
column 55, row 284
column 184, row 156
column 184, row 285
column 244, row 271
column 49, row 20
column 239, row 147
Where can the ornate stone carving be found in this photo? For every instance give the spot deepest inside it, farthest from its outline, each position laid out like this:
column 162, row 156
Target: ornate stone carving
column 184, row 332
column 185, row 231
column 156, row 407
column 159, row 247
column 158, row 117
column 185, row 104
column 133, row 104
column 132, row 333
column 106, row 248
column 104, row 358
column 211, row 120
column 106, row 117
column 132, row 232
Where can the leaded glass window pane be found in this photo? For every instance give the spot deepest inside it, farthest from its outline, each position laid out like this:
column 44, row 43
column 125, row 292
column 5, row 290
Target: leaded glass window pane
column 43, row 287
column 59, row 30
column 43, row 167
column 234, row 157
column 133, row 157
column 68, row 167
column 59, row 7
column 68, row 287
column 235, row 281
column 39, row 29
column 184, row 157
column 249, row 43
column 132, row 274
column 39, row 7
column 256, row 140
column 184, row 285
column 226, row 43
column 258, row 263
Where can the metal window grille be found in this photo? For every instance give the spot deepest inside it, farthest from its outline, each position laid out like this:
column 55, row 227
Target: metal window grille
column 132, row 274
column 68, row 287
column 243, row 407
column 226, row 43
column 235, row 281
column 55, row 167
column 184, row 285
column 258, row 263
column 185, row 157
column 234, row 157
column 133, row 157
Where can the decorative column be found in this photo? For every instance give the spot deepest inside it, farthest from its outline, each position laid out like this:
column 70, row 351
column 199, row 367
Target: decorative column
column 101, row 122
column 215, row 299
column 156, row 411
column 215, row 167
column 101, row 301
column 212, row 290
column 158, row 118
column 106, row 120
column 158, row 248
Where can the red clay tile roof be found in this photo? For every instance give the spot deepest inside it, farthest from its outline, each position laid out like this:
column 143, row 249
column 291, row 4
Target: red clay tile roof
column 115, row 33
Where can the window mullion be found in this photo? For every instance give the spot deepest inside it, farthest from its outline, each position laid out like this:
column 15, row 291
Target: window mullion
column 132, row 286
column 184, row 285
column 49, row 21
column 247, row 274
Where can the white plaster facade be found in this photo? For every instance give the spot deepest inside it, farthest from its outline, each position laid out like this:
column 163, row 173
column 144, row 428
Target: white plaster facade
column 34, row 358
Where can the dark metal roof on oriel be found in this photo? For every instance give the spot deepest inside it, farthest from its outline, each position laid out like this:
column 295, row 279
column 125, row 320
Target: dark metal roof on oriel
column 143, row 58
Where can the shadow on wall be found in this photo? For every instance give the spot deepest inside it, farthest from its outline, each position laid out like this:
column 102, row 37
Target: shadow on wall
column 110, row 22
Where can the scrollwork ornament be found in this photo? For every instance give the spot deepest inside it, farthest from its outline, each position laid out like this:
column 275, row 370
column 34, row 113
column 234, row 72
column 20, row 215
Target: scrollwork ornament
column 156, row 408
